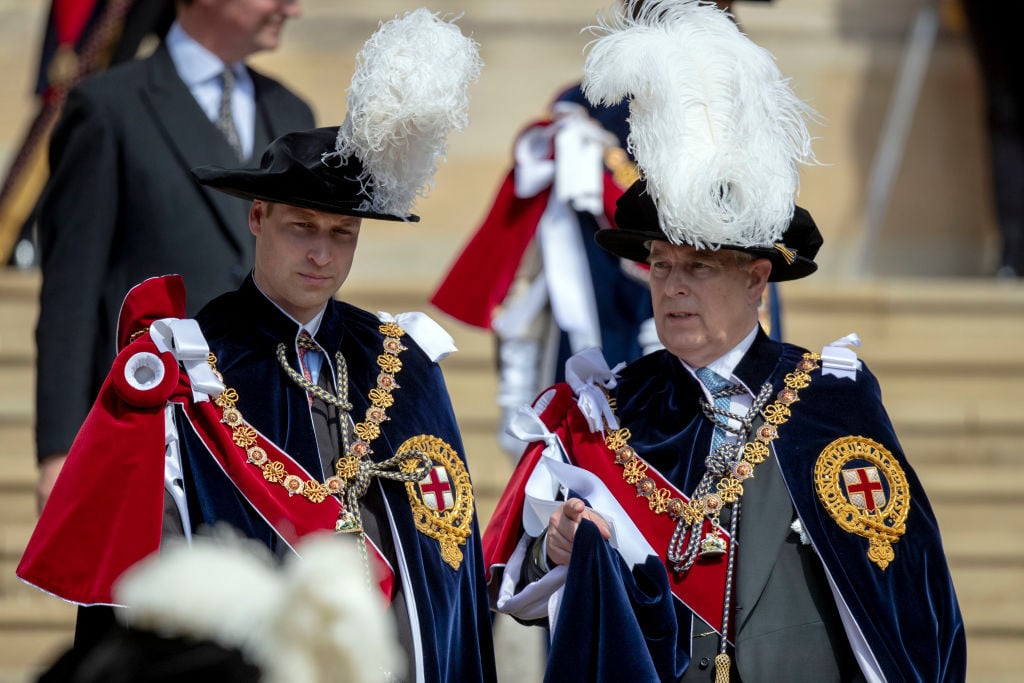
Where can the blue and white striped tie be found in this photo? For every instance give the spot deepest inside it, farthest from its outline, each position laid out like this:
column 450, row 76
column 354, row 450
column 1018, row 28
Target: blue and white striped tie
column 716, row 383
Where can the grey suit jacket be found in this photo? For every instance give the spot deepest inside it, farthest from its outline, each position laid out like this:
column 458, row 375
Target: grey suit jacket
column 787, row 624
column 120, row 206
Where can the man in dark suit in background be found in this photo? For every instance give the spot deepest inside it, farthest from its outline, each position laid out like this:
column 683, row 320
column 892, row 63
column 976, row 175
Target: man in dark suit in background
column 120, row 205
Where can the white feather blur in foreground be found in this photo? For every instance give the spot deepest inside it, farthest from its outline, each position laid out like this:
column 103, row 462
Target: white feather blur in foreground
column 410, row 88
column 313, row 619
column 331, row 625
column 714, row 127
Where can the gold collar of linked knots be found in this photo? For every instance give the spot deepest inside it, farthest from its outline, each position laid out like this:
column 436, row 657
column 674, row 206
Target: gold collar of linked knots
column 730, row 486
column 348, row 466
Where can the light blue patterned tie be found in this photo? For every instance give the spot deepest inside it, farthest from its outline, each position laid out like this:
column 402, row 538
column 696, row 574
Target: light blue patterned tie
column 716, row 383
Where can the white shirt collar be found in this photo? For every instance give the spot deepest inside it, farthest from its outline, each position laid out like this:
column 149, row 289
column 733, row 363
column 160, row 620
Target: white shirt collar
column 200, row 70
column 726, row 364
column 193, row 62
column 314, row 324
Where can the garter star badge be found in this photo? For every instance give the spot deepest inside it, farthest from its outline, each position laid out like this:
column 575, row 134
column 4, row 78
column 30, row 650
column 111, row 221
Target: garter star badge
column 864, row 489
column 442, row 502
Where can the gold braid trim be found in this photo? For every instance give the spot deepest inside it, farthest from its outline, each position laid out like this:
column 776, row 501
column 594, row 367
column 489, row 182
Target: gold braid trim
column 722, row 665
column 788, row 254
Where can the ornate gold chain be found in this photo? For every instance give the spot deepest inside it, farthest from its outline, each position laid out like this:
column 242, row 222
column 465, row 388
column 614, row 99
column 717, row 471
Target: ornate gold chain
column 730, row 487
column 348, row 466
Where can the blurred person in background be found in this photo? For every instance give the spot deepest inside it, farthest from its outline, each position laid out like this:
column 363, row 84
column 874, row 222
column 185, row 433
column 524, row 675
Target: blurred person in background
column 80, row 38
column 993, row 28
column 121, row 206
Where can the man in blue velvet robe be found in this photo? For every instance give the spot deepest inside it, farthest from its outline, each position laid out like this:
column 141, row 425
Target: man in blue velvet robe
column 309, row 397
column 424, row 527
column 730, row 508
column 837, row 570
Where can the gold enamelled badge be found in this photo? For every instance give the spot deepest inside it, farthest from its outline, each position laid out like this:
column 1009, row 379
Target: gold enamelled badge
column 864, row 489
column 442, row 501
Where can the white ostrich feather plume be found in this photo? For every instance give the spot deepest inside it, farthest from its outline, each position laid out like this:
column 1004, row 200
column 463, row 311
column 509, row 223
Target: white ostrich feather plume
column 312, row 619
column 715, row 128
column 221, row 589
column 332, row 626
column 410, row 88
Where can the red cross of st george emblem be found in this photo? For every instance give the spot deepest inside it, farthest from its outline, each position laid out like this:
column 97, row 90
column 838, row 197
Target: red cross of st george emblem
column 876, row 498
column 864, row 488
column 436, row 488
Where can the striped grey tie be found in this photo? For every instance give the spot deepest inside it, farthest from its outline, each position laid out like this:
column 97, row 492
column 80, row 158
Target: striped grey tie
column 225, row 121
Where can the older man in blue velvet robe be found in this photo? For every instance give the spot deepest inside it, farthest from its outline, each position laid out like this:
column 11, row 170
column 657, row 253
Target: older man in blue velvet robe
column 730, row 508
column 796, row 544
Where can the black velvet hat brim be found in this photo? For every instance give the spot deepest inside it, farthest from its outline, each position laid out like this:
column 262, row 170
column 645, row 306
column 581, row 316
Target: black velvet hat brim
column 293, row 170
column 634, row 245
column 278, row 188
column 637, row 218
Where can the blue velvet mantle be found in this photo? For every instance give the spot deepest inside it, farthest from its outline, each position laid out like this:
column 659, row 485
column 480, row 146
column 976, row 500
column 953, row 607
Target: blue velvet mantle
column 614, row 620
column 908, row 612
column 243, row 329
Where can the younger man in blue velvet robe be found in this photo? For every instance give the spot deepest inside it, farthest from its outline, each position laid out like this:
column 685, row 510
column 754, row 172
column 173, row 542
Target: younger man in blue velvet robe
column 284, row 412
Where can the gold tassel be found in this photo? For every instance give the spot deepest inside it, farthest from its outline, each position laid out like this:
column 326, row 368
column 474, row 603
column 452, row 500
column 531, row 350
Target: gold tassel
column 722, row 668
column 788, row 254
